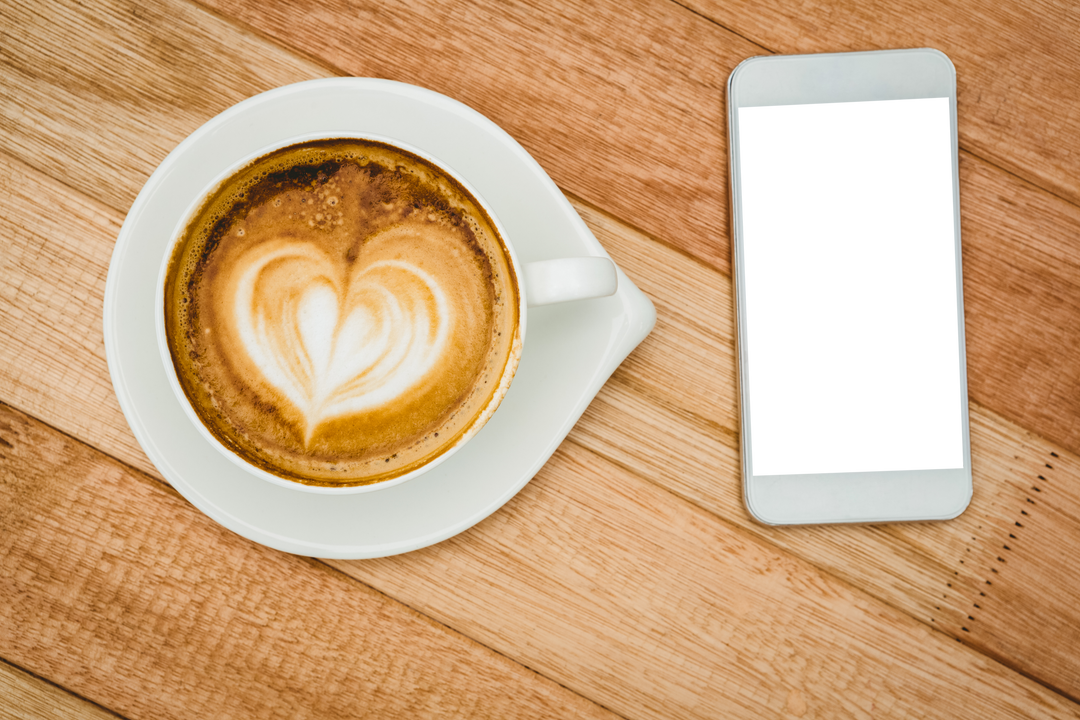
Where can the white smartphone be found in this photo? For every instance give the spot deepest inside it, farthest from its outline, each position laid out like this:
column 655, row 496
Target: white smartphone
column 846, row 245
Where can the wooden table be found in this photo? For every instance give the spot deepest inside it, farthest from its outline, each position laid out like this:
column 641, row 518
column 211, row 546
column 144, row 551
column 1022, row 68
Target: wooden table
column 627, row 578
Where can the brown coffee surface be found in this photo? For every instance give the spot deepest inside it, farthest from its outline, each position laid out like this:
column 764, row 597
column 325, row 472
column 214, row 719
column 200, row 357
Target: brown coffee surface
column 341, row 312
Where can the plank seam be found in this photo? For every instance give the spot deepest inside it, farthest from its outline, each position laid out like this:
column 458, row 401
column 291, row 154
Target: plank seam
column 325, row 565
column 60, row 687
column 340, row 72
column 722, row 26
column 578, row 200
column 1005, row 170
column 1026, row 180
column 1021, row 522
column 161, row 483
column 143, row 476
column 500, row 653
column 608, row 215
column 932, row 625
column 253, row 32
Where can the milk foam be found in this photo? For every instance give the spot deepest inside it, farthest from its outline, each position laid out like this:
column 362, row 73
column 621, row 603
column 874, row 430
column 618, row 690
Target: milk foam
column 338, row 345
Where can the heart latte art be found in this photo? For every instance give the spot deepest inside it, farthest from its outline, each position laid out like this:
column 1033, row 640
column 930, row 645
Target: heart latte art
column 338, row 345
column 341, row 312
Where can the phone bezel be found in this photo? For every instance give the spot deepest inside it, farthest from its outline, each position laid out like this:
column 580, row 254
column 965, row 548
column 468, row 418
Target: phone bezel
column 865, row 497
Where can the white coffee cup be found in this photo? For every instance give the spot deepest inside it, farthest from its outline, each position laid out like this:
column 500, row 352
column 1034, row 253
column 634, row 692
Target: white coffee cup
column 539, row 283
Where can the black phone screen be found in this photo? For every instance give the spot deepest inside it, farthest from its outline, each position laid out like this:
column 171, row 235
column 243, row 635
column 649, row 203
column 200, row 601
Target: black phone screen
column 851, row 287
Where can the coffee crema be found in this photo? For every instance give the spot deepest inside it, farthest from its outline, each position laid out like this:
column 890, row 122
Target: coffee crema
column 341, row 312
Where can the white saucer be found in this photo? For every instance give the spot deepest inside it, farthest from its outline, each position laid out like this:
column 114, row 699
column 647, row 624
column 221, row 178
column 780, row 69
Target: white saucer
column 570, row 350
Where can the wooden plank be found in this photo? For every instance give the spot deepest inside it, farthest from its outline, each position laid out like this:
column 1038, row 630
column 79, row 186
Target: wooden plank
column 548, row 78
column 586, row 144
column 662, row 416
column 112, row 585
column 639, row 599
column 622, row 103
column 1021, row 297
column 711, row 621
column 670, row 414
column 1022, row 265
column 99, row 94
column 937, row 572
column 680, row 353
column 1017, row 66
column 25, row 697
column 52, row 294
column 1032, row 546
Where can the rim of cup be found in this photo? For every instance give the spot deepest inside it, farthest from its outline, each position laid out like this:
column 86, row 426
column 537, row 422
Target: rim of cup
column 170, row 370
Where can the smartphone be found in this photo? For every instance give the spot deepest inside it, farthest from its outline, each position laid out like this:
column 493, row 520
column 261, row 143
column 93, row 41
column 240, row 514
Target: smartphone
column 846, row 253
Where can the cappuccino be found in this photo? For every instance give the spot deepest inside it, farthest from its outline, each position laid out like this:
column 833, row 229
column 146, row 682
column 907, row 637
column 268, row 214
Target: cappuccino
column 341, row 312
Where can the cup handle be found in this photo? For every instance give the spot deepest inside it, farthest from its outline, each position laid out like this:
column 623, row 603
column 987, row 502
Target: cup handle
column 555, row 281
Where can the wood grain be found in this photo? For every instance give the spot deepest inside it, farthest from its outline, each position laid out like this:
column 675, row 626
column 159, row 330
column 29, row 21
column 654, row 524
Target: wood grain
column 622, row 103
column 937, row 572
column 1021, row 264
column 107, row 575
column 25, row 697
column 670, row 414
column 1032, row 548
column 52, row 295
column 634, row 596
column 1021, row 260
column 1017, row 65
column 165, row 68
column 1020, row 124
column 1022, row 300
column 661, row 416
column 105, row 92
column 727, row 626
